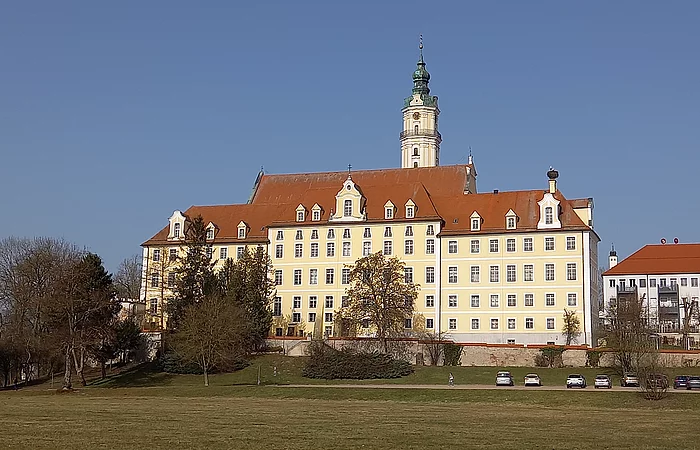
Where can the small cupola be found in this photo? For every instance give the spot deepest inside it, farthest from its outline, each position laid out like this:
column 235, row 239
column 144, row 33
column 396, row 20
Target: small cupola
column 552, row 175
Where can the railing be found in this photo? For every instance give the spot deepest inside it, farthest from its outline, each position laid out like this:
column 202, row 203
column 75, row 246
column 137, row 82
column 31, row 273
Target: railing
column 424, row 132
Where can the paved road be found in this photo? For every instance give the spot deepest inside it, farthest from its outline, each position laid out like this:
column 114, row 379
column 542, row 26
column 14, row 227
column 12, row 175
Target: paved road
column 468, row 387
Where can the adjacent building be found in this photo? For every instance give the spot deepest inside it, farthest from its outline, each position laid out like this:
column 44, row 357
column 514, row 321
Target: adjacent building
column 497, row 267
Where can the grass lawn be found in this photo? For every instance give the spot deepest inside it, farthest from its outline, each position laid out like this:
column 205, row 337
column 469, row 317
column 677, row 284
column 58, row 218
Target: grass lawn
column 142, row 408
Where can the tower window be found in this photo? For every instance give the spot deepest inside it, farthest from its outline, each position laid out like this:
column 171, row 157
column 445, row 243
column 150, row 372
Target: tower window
column 347, row 208
column 415, row 165
column 176, row 230
column 415, row 151
column 415, row 128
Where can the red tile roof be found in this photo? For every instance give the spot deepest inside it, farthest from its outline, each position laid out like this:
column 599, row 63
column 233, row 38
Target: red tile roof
column 660, row 259
column 438, row 192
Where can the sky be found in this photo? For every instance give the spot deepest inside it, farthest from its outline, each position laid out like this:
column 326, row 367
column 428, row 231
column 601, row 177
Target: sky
column 113, row 115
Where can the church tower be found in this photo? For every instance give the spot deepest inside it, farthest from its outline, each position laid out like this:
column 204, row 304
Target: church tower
column 420, row 139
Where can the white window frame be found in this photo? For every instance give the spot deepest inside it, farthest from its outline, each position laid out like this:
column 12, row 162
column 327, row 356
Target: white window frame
column 452, row 245
column 475, row 246
column 452, row 275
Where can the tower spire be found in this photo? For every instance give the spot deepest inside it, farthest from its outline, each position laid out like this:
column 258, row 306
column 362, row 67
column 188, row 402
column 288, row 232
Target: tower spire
column 420, row 47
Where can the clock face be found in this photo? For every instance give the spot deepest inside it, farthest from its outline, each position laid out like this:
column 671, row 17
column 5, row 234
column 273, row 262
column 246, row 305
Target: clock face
column 416, row 115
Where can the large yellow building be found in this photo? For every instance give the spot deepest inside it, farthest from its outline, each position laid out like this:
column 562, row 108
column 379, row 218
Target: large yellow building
column 496, row 267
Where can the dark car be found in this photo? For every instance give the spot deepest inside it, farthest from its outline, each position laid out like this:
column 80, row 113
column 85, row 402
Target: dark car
column 657, row 381
column 693, row 382
column 680, row 381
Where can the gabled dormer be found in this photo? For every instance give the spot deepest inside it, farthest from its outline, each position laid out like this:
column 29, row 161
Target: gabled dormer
column 349, row 203
column 511, row 220
column 389, row 210
column 212, row 231
column 242, row 230
column 475, row 221
column 316, row 212
column 176, row 230
column 301, row 213
column 410, row 209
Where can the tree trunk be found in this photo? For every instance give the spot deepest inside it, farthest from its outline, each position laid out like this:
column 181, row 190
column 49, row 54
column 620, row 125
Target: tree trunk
column 104, row 369
column 68, row 371
column 206, row 375
column 79, row 364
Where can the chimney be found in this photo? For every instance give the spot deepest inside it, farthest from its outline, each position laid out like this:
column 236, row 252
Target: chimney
column 612, row 261
column 553, row 175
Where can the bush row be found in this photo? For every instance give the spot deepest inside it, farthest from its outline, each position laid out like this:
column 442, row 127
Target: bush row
column 328, row 363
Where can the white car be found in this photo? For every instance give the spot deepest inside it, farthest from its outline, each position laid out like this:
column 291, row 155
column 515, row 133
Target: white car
column 575, row 380
column 602, row 381
column 504, row 379
column 532, row 379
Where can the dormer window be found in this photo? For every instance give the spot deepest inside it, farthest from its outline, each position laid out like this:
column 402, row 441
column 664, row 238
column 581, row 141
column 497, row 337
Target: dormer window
column 316, row 216
column 430, row 231
column 388, row 213
column 210, row 234
column 475, row 220
column 548, row 215
column 511, row 220
column 347, row 208
column 549, row 212
column 300, row 216
column 242, row 229
column 410, row 209
column 176, row 230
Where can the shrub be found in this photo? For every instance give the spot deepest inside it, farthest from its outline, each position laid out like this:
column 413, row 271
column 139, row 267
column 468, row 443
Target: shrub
column 328, row 363
column 593, row 358
column 453, row 354
column 550, row 357
column 172, row 363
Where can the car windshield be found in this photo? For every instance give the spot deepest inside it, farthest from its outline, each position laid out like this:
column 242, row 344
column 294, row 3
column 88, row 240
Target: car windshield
column 601, row 377
column 631, row 375
column 575, row 376
column 531, row 375
column 694, row 378
column 503, row 374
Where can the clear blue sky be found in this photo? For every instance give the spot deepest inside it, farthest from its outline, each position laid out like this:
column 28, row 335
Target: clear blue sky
column 114, row 115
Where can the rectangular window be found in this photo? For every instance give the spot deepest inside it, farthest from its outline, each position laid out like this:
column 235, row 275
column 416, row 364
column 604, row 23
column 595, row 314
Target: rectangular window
column 571, row 271
column 296, row 302
column 297, row 277
column 345, row 276
column 329, row 302
column 346, row 233
column 299, row 235
column 314, row 249
column 512, row 300
column 430, row 274
column 312, row 317
column 571, row 299
column 367, row 234
column 476, row 224
column 475, row 277
column 430, row 301
column 223, row 253
column 156, row 255
column 493, row 245
column 642, row 282
column 330, row 234
column 409, row 231
column 388, row 247
column 154, row 306
column 510, row 245
column 693, row 282
column 347, row 210
column 314, row 234
column 408, row 274
column 494, row 324
column 529, row 323
column 171, row 279
column 452, row 274
column 388, row 213
column 475, row 301
column 452, row 301
column 409, row 212
column 474, row 246
column 452, row 324
column 511, row 325
column 173, row 254
column 475, row 324
column 408, row 323
column 549, row 299
column 527, row 244
column 278, row 277
column 210, row 251
column 571, row 242
column 330, row 276
column 549, row 272
column 330, row 249
column 280, row 235
column 528, row 272
column 366, row 248
column 684, row 282
column 346, row 249
column 529, row 299
column 548, row 215
column 316, row 216
column 328, row 330
column 612, row 283
column 494, row 274
column 240, row 250
column 510, row 273
column 429, row 324
column 313, row 302
column 549, row 244
column 652, row 282
column 430, row 231
column 387, row 232
column 279, row 250
column 494, row 300
column 674, row 282
column 344, row 301
column 298, row 250
column 452, row 247
column 313, row 276
column 430, row 246
column 155, row 279
column 300, row 216
column 328, row 317
column 408, row 246
column 277, row 306
column 550, row 323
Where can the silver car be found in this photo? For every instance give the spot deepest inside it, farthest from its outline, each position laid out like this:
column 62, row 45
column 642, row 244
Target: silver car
column 504, row 379
column 575, row 380
column 693, row 382
column 532, row 379
column 602, row 381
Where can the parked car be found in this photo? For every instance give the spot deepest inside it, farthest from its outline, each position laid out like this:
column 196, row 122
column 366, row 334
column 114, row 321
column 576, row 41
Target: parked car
column 575, row 380
column 602, row 381
column 680, row 381
column 504, row 379
column 629, row 379
column 532, row 379
column 693, row 382
column 657, row 381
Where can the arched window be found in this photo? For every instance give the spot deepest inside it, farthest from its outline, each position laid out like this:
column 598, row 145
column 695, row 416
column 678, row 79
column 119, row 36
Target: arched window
column 176, row 230
column 347, row 208
column 415, row 151
column 548, row 215
column 415, row 128
column 415, row 164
